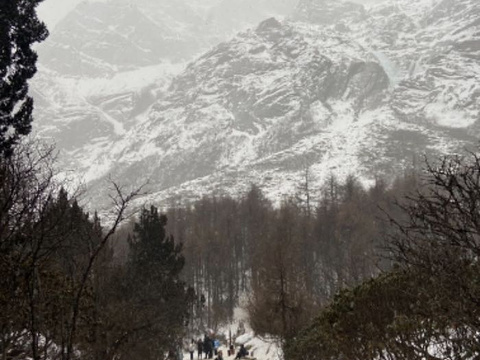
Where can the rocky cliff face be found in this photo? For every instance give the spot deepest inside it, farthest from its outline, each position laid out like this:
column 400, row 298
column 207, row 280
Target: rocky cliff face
column 337, row 87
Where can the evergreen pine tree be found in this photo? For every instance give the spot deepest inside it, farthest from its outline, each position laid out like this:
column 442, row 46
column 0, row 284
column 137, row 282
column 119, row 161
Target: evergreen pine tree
column 19, row 29
column 153, row 253
column 153, row 287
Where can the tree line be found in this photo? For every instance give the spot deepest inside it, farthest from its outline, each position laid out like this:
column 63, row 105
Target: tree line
column 427, row 305
column 285, row 261
column 62, row 295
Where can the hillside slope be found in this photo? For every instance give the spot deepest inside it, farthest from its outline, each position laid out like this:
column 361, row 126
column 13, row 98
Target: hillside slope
column 357, row 92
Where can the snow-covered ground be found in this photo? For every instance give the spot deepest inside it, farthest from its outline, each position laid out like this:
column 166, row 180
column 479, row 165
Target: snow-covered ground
column 258, row 347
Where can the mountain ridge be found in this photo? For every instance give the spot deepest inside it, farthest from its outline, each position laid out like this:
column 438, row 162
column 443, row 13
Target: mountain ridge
column 349, row 97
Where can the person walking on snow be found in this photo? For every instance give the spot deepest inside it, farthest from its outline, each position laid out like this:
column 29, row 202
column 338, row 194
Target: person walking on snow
column 191, row 348
column 200, row 348
column 208, row 347
column 242, row 352
column 219, row 355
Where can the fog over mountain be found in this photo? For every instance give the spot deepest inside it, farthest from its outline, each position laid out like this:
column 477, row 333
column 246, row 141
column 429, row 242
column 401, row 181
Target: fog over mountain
column 53, row 11
column 201, row 96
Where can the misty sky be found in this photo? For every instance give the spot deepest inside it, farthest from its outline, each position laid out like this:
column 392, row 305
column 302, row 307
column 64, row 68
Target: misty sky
column 52, row 11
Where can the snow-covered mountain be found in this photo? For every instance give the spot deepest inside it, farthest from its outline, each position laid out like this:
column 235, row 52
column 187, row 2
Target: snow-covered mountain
column 106, row 62
column 343, row 89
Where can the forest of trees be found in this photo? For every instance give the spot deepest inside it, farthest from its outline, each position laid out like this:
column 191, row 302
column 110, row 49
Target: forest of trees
column 384, row 275
column 61, row 292
column 282, row 262
column 288, row 260
column 427, row 306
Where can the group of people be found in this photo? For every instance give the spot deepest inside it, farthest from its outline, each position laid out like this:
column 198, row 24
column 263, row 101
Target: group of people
column 210, row 346
column 207, row 346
